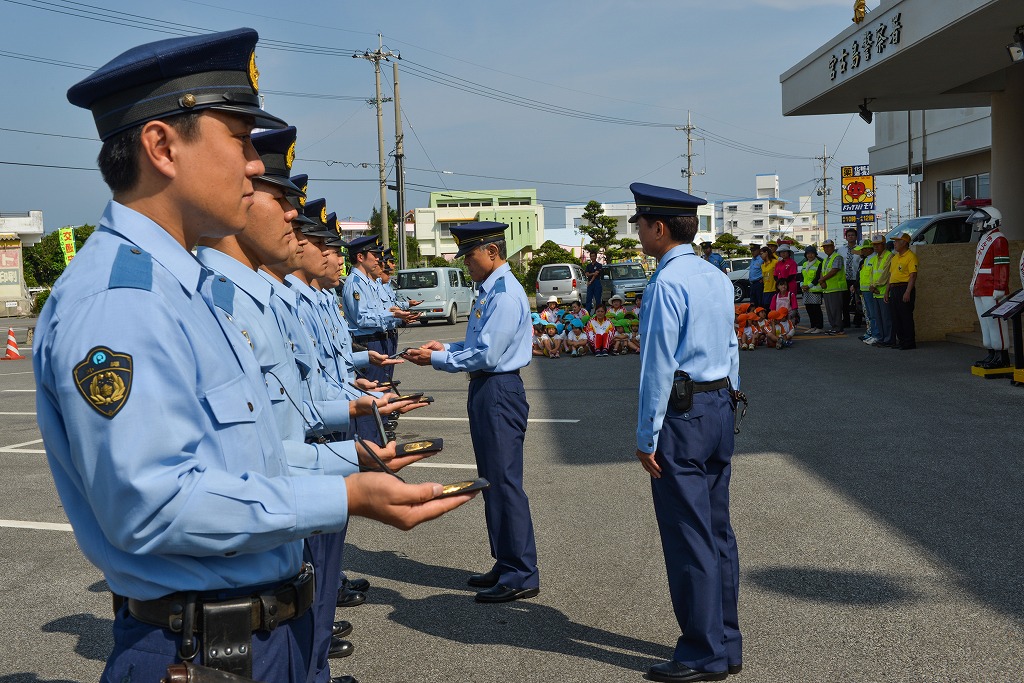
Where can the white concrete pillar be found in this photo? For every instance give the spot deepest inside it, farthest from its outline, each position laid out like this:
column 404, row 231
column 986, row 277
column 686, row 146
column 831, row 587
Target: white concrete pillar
column 1008, row 152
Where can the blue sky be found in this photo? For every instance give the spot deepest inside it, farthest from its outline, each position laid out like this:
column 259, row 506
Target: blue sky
column 648, row 61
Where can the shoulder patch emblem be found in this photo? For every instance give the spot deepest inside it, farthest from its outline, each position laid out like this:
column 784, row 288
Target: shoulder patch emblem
column 355, row 295
column 104, row 379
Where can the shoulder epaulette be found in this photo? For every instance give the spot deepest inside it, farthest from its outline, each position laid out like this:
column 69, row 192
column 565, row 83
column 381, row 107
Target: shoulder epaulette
column 133, row 268
column 223, row 294
column 499, row 286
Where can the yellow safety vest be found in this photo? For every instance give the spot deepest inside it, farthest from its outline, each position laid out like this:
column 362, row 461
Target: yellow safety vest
column 865, row 274
column 878, row 266
column 809, row 271
column 837, row 283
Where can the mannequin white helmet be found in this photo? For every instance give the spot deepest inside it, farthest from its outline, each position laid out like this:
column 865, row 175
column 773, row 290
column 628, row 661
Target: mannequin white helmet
column 985, row 218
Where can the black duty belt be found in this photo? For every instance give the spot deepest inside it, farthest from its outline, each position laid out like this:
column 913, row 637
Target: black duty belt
column 711, row 386
column 268, row 608
column 376, row 336
column 484, row 373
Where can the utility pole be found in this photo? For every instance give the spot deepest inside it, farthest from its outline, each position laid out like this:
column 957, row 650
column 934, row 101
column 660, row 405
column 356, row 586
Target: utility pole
column 824, row 190
column 688, row 171
column 376, row 58
column 399, row 169
column 899, row 187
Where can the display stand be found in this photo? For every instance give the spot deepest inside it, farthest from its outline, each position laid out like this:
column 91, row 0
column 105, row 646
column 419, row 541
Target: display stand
column 1010, row 309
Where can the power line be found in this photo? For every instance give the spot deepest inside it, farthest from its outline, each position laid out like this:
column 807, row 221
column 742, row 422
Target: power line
column 66, row 168
column 53, row 135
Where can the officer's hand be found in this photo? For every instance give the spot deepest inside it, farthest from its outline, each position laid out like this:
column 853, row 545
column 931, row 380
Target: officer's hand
column 404, row 407
column 415, row 302
column 433, row 346
column 366, row 384
column 420, row 356
column 385, row 453
column 380, row 360
column 364, row 405
column 649, row 463
column 386, row 499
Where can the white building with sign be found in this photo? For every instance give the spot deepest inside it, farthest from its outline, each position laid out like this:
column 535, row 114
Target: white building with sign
column 17, row 230
column 621, row 212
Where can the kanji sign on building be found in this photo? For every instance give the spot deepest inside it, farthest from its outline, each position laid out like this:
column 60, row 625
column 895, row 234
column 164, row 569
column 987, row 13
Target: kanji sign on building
column 858, row 189
column 67, row 243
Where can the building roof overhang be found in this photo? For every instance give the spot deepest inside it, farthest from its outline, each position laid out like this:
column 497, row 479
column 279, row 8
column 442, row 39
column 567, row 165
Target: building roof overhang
column 947, row 54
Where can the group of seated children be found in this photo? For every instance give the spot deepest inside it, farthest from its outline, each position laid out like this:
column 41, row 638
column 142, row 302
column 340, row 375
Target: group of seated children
column 577, row 332
column 764, row 328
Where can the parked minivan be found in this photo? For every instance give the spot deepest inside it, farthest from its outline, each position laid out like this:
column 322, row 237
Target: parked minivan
column 625, row 279
column 446, row 293
column 950, row 227
column 565, row 281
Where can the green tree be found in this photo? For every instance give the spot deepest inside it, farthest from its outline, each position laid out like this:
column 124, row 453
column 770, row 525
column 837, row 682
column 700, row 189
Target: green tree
column 438, row 262
column 600, row 228
column 624, row 249
column 44, row 261
column 729, row 245
column 412, row 245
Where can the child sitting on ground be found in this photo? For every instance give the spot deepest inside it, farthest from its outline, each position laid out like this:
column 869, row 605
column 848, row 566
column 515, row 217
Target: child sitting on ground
column 787, row 328
column 620, row 338
column 599, row 330
column 784, row 298
column 552, row 341
column 538, row 336
column 576, row 339
column 633, row 343
column 761, row 326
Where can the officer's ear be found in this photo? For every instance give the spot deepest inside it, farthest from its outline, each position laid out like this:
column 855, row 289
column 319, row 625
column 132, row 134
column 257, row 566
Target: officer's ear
column 157, row 140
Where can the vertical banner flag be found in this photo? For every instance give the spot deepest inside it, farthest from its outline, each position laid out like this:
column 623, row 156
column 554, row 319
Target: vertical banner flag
column 67, row 243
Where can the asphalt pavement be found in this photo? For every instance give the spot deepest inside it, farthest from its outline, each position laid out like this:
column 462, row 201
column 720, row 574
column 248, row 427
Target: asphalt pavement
column 876, row 499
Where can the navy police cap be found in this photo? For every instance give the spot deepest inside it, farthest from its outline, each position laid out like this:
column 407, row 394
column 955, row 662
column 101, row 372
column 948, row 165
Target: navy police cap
column 358, row 245
column 316, row 212
column 175, row 76
column 300, row 181
column 472, row 235
column 277, row 152
column 652, row 200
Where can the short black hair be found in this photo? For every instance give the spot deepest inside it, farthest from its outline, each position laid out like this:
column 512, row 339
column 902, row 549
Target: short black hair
column 502, row 248
column 682, row 228
column 119, row 157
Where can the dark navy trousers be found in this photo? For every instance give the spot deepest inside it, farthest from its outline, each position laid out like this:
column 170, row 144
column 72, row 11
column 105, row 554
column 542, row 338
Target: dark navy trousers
column 497, row 424
column 325, row 553
column 691, row 502
column 142, row 652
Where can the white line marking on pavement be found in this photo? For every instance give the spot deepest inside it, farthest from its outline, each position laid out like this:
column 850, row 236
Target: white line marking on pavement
column 17, row 413
column 46, row 526
column 19, row 445
column 453, row 465
column 4, row 374
column 27, row 391
column 466, row 419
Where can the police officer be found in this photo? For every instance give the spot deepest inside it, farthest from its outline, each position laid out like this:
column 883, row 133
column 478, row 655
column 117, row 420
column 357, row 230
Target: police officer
column 684, row 437
column 498, row 343
column 714, row 259
column 152, row 408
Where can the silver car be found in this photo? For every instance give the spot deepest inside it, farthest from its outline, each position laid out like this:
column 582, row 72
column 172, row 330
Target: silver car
column 625, row 279
column 564, row 281
column 446, row 293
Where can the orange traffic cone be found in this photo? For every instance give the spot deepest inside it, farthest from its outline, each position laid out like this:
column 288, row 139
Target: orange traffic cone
column 12, row 347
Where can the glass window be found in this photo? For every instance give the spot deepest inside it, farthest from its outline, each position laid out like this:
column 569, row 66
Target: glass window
column 971, row 186
column 984, row 191
column 555, row 273
column 453, row 278
column 627, row 271
column 417, row 279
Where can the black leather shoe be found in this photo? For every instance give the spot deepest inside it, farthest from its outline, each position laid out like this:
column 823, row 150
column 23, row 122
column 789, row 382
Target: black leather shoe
column 344, row 679
column 500, row 593
column 341, row 629
column 347, row 598
column 484, row 580
column 735, row 669
column 340, row 648
column 674, row 672
column 361, row 585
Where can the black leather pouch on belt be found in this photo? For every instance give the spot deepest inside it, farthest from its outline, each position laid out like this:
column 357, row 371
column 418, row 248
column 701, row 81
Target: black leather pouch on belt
column 227, row 636
column 187, row 672
column 681, row 398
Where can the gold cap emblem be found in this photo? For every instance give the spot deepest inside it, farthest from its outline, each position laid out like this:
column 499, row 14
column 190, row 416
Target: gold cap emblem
column 254, row 73
column 302, row 197
column 188, row 100
column 289, row 157
column 323, row 215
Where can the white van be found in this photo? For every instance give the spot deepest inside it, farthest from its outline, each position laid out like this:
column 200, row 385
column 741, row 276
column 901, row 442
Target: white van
column 446, row 293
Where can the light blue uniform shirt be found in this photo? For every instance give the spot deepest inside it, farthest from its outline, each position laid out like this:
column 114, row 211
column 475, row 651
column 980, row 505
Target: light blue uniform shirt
column 324, row 410
column 754, row 273
column 364, row 309
column 686, row 324
column 341, row 337
column 184, row 486
column 312, row 313
column 250, row 310
column 499, row 337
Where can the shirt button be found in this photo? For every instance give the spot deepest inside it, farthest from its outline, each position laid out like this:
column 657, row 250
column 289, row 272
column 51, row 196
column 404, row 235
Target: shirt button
column 282, row 390
column 250, row 406
column 686, row 415
column 136, row 251
column 650, row 445
column 318, row 531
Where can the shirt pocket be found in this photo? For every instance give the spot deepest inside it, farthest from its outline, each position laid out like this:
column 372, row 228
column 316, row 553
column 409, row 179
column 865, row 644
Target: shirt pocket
column 233, row 402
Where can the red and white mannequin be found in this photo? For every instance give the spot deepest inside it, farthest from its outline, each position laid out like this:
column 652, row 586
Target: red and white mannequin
column 989, row 284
